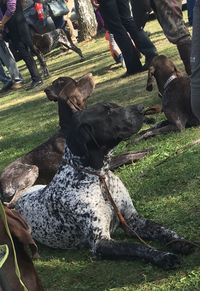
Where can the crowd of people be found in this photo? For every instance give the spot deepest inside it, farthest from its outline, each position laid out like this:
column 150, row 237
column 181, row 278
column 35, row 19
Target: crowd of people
column 123, row 22
column 15, row 30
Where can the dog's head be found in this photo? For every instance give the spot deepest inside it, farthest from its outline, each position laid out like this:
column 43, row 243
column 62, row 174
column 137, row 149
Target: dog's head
column 99, row 128
column 16, row 178
column 161, row 69
column 43, row 42
column 19, row 230
column 73, row 92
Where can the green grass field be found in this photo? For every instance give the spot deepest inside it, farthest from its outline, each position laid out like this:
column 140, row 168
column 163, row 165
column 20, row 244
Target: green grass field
column 169, row 193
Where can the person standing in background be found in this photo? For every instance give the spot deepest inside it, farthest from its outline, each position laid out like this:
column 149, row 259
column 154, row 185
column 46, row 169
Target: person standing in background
column 119, row 21
column 170, row 17
column 12, row 18
column 195, row 61
column 6, row 57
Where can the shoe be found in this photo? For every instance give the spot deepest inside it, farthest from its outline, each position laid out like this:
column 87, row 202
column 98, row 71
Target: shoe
column 16, row 85
column 127, row 74
column 35, row 84
column 7, row 86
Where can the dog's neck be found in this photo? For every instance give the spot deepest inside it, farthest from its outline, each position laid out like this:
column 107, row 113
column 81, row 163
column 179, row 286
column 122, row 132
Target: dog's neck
column 65, row 115
column 163, row 83
column 78, row 162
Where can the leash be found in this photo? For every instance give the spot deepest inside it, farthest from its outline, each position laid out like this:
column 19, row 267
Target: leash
column 17, row 271
column 122, row 220
column 4, row 252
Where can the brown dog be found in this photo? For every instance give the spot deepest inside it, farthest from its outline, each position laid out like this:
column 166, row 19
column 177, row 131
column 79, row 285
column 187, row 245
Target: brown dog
column 40, row 165
column 174, row 90
column 22, row 239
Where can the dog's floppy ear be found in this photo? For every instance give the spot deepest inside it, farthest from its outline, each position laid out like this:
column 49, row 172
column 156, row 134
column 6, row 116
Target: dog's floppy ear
column 20, row 230
column 149, row 86
column 177, row 72
column 86, row 86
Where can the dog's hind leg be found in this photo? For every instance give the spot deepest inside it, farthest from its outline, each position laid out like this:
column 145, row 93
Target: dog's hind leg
column 150, row 230
column 42, row 61
column 118, row 250
column 65, row 39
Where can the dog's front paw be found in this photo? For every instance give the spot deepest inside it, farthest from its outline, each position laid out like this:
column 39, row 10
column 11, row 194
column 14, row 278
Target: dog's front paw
column 182, row 247
column 168, row 261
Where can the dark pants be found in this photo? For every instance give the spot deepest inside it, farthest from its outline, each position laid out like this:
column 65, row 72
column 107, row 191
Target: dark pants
column 20, row 36
column 114, row 13
column 60, row 23
column 140, row 38
column 195, row 61
column 190, row 7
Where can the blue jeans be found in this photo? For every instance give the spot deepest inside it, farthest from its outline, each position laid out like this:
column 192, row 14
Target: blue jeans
column 3, row 77
column 8, row 60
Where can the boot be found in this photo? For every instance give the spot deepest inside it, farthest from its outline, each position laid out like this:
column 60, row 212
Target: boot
column 184, row 50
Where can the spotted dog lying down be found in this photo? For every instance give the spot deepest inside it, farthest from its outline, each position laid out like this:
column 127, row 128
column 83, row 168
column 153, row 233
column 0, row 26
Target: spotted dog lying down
column 73, row 210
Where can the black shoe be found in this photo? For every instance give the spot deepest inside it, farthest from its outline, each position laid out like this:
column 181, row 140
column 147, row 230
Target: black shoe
column 128, row 74
column 7, row 86
column 35, row 84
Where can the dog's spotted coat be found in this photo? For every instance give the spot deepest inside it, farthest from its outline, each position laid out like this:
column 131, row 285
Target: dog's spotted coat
column 73, row 209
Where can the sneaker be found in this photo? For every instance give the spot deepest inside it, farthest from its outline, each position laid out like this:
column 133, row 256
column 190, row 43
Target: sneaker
column 16, row 85
column 35, row 84
column 121, row 59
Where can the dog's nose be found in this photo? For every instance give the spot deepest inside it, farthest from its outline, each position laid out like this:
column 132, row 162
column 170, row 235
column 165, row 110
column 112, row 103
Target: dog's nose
column 46, row 90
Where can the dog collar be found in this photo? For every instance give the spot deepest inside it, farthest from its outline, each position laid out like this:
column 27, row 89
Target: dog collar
column 169, row 80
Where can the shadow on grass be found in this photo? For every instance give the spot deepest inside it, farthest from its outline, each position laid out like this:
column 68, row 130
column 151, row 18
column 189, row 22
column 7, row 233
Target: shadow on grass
column 76, row 270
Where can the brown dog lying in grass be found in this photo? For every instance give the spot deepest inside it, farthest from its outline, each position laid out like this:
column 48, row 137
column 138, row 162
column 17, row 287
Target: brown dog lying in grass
column 40, row 165
column 174, row 90
column 22, row 239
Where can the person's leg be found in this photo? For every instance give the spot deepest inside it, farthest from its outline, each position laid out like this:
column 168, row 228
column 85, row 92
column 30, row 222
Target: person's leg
column 30, row 62
column 3, row 77
column 170, row 17
column 190, row 7
column 140, row 38
column 21, row 38
column 9, row 62
column 7, row 82
column 110, row 13
column 195, row 61
column 70, row 28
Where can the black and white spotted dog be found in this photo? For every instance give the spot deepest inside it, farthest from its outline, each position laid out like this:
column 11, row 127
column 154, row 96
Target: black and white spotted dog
column 73, row 210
